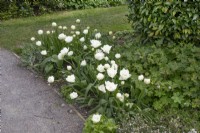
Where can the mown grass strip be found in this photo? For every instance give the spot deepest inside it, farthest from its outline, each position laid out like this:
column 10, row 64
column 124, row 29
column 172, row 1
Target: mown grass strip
column 14, row 33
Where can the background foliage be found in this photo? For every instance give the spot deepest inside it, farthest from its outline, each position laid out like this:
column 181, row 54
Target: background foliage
column 24, row 8
column 170, row 20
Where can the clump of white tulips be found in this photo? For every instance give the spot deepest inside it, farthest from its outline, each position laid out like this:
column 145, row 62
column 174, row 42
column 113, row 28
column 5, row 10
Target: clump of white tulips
column 88, row 64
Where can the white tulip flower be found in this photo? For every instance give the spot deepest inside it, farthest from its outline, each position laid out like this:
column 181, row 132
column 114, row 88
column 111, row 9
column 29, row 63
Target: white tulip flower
column 78, row 21
column 110, row 32
column 117, row 55
column 106, row 58
column 126, row 95
column 82, row 39
column 106, row 66
column 77, row 32
column 141, row 77
column 100, row 68
column 106, row 48
column 60, row 56
column 124, row 74
column 110, row 86
column 114, row 66
column 193, row 130
column 85, row 31
column 43, row 52
column 88, row 27
column 69, row 68
column 32, row 38
column 95, row 43
column 74, row 36
column 73, row 27
column 112, row 62
column 120, row 97
column 40, row 32
column 111, row 72
column 61, row 36
column 54, row 24
column 50, row 79
column 96, row 118
column 64, row 51
column 100, row 76
column 70, row 53
column 84, row 47
column 122, row 82
column 71, row 78
column 60, row 27
column 99, row 55
column 48, row 32
column 102, row 88
column 73, row 95
column 98, row 35
column 68, row 39
column 38, row 43
column 83, row 63
column 64, row 27
column 147, row 81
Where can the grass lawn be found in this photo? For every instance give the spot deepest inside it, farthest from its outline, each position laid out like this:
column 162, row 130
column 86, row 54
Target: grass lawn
column 16, row 32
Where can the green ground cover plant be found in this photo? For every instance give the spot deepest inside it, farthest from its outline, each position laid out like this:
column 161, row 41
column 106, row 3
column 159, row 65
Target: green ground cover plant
column 174, row 72
column 97, row 123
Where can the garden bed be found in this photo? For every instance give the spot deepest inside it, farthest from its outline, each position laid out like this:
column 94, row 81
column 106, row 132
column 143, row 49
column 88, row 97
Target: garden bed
column 119, row 81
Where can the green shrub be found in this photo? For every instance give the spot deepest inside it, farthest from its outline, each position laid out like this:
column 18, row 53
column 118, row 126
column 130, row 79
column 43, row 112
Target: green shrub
column 166, row 21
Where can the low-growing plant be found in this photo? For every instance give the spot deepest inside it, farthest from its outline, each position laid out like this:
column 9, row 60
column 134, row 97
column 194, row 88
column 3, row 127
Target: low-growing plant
column 99, row 124
column 174, row 72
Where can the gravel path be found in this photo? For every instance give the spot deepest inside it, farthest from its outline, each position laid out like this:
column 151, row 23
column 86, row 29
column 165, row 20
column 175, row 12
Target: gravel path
column 29, row 105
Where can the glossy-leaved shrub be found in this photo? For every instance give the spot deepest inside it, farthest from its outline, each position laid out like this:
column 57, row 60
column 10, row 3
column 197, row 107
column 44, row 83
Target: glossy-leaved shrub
column 171, row 20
